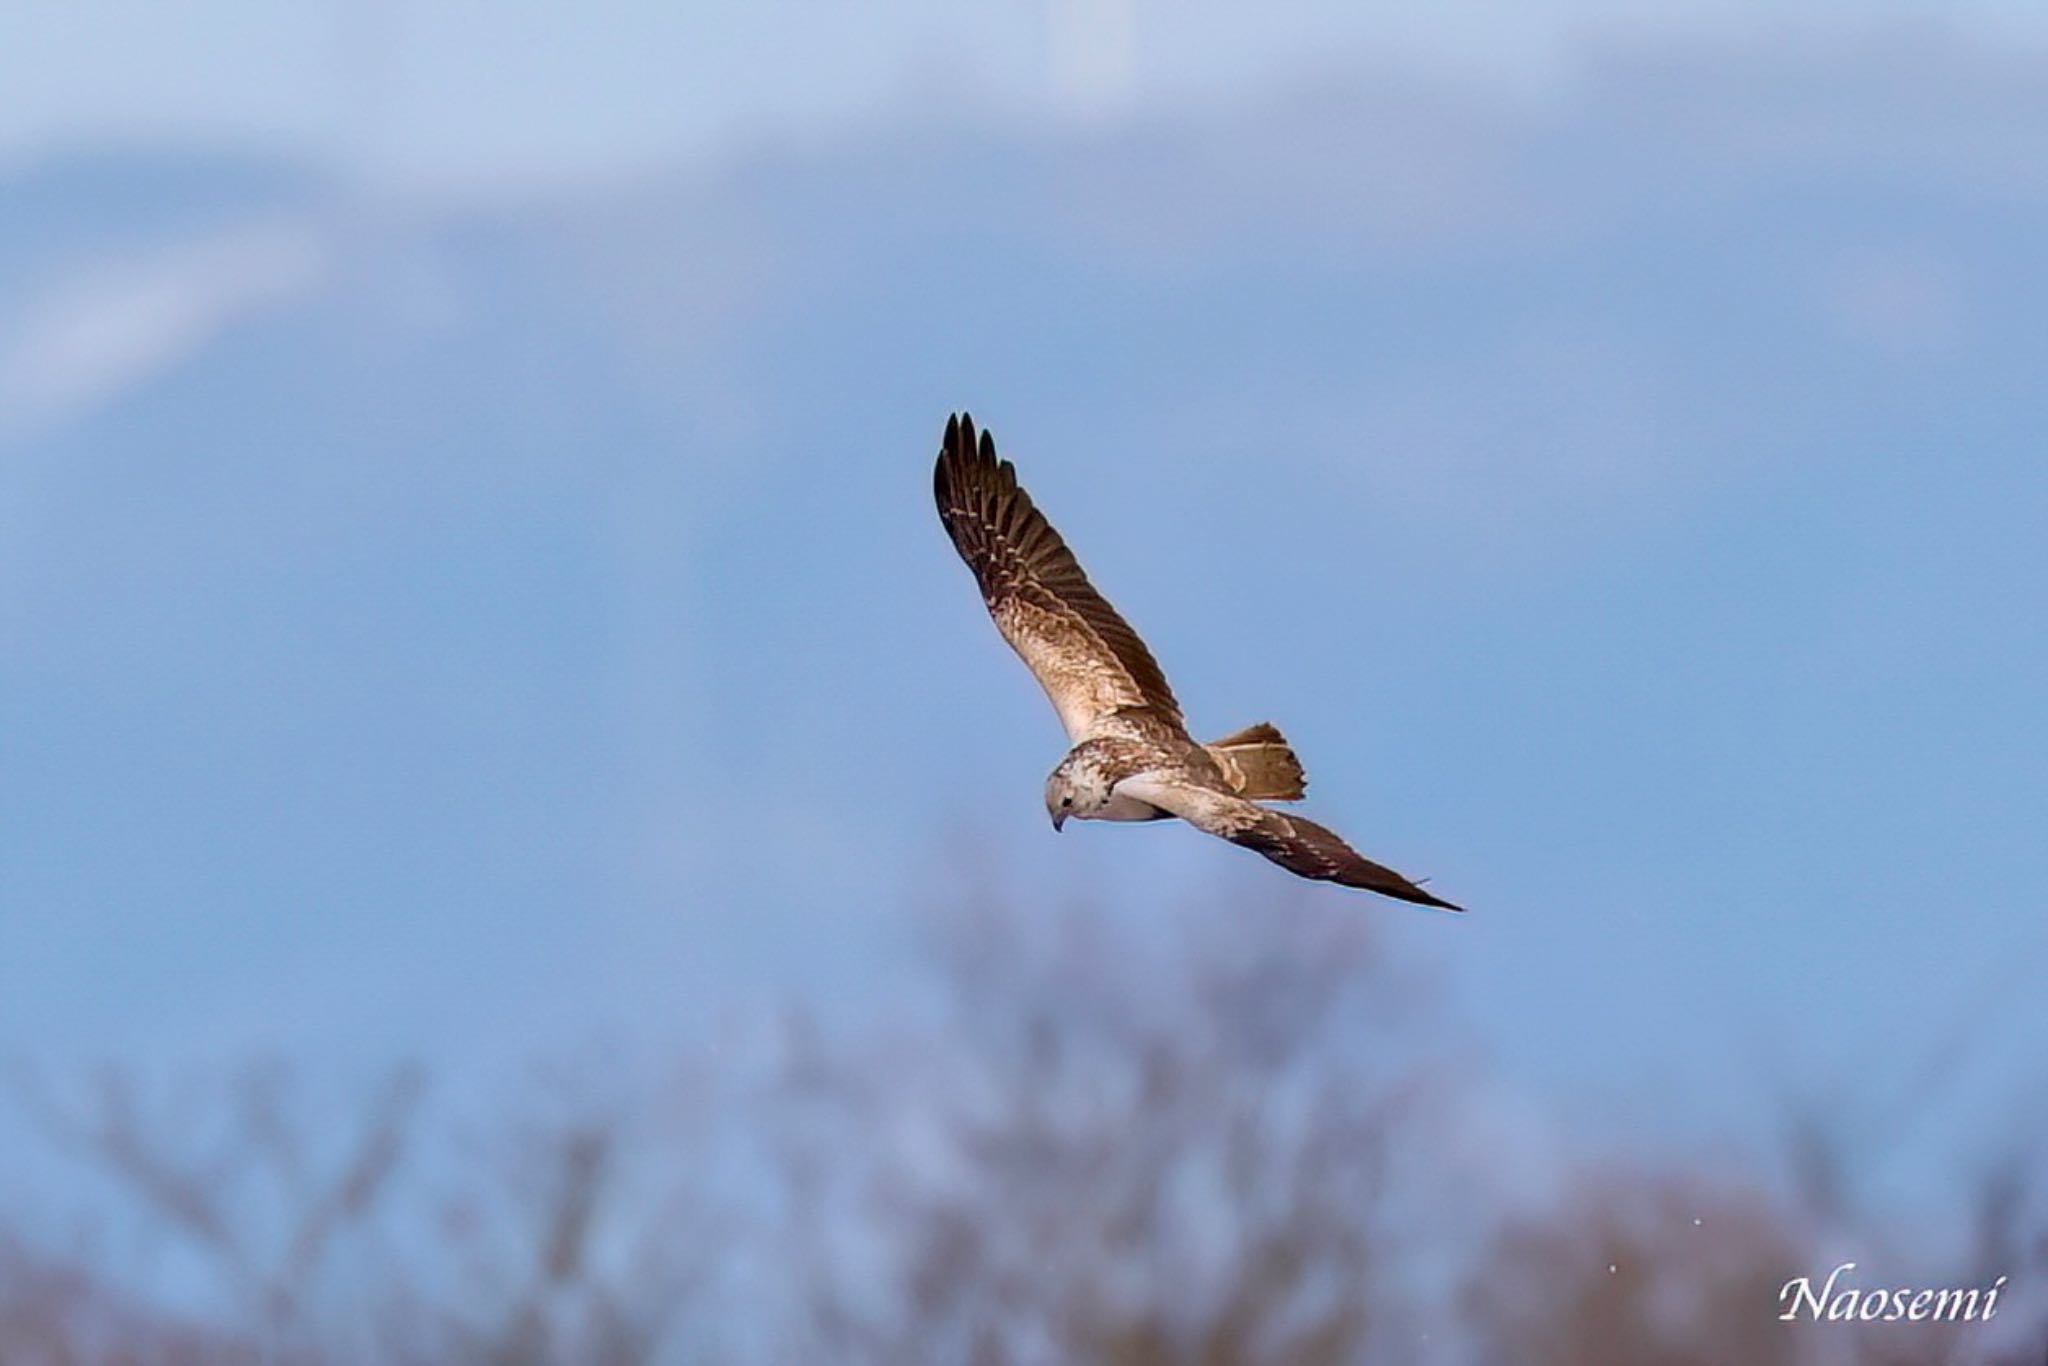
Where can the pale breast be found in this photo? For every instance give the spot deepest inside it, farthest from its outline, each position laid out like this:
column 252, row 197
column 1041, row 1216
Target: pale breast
column 1126, row 808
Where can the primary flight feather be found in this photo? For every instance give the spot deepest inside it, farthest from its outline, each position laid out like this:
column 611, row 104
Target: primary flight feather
column 1132, row 758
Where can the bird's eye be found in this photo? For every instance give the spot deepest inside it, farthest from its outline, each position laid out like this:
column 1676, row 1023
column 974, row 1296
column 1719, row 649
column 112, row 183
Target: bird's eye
column 1066, row 801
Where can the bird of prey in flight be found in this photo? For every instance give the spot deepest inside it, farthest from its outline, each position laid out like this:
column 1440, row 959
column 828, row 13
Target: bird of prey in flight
column 1132, row 758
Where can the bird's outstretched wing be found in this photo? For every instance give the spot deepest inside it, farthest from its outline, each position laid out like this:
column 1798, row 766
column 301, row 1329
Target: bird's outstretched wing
column 1300, row 846
column 1087, row 658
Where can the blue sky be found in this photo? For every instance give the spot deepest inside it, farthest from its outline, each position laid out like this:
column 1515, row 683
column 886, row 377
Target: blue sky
column 438, row 95
column 467, row 625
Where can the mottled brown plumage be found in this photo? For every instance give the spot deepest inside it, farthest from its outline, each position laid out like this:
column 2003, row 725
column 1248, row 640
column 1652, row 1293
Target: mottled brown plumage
column 1132, row 758
column 1089, row 660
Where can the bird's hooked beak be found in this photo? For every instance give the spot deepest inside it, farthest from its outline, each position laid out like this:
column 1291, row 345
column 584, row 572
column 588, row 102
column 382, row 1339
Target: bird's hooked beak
column 1059, row 818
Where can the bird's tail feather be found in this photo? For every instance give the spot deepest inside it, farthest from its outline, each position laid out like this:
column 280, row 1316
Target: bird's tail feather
column 1260, row 764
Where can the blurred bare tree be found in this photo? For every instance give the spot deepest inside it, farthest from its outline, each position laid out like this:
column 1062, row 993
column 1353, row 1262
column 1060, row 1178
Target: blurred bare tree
column 1227, row 1137
column 528, row 1248
column 1651, row 1269
column 234, row 1174
column 1107, row 1147
column 57, row 1315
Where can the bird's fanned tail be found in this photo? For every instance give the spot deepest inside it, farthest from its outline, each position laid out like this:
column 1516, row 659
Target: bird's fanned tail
column 1260, row 764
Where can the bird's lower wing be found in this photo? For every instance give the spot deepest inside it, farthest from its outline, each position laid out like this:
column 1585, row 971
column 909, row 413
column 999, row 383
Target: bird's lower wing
column 1300, row 846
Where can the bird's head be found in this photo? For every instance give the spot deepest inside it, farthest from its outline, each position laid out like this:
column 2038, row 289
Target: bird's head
column 1075, row 789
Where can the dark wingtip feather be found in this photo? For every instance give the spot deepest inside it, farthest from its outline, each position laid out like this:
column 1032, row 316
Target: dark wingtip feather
column 1422, row 898
column 965, row 444
column 1398, row 888
column 956, row 450
column 941, row 474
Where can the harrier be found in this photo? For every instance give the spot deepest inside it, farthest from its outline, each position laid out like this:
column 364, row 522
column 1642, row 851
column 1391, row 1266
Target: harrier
column 1132, row 758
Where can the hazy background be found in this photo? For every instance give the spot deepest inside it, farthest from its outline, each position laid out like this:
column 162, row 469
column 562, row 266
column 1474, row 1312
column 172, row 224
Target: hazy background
column 469, row 592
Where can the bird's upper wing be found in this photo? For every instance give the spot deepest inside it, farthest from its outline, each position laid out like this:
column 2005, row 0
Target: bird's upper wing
column 1087, row 658
column 1300, row 846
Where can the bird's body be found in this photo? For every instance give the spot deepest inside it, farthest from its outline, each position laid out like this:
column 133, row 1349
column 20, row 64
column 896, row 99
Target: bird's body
column 1132, row 757
column 1122, row 746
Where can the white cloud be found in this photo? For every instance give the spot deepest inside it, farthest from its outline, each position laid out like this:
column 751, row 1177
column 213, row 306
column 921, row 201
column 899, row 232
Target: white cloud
column 106, row 326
